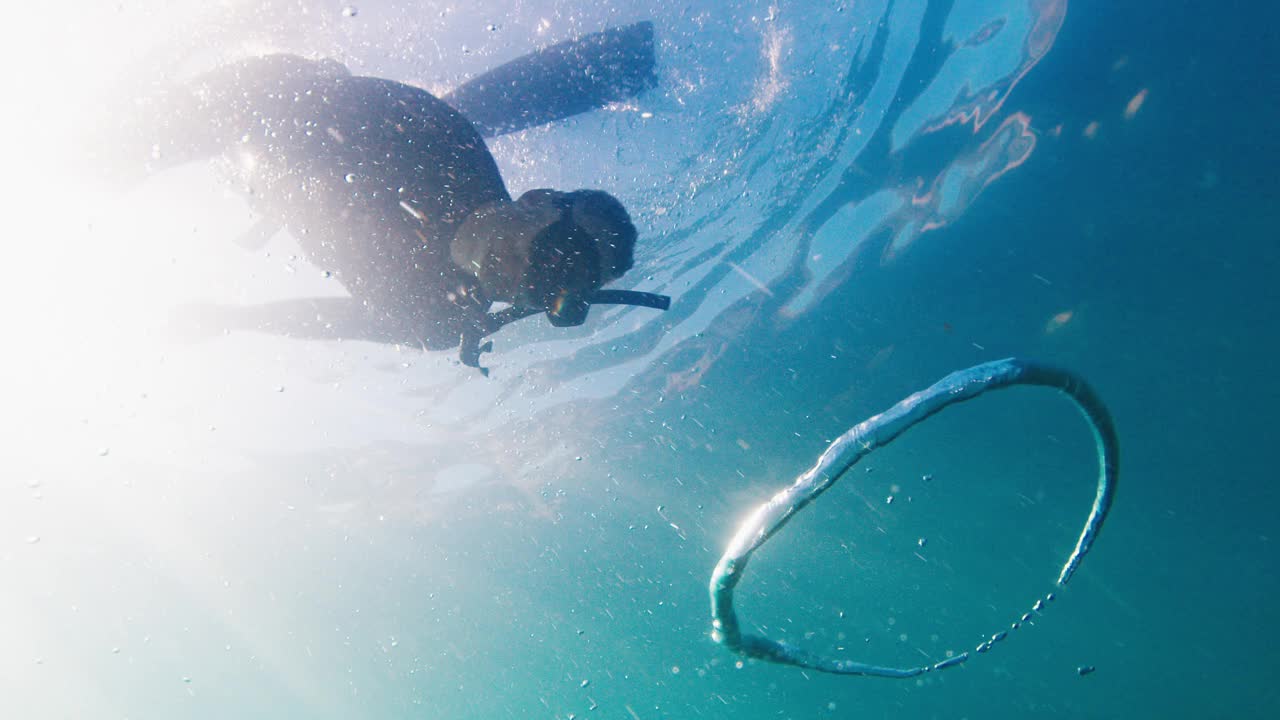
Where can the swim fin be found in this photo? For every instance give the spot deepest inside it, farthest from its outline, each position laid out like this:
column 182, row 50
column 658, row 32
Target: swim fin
column 560, row 81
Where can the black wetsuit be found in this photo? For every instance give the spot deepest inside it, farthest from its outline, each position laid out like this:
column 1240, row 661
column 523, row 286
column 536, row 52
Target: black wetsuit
column 373, row 178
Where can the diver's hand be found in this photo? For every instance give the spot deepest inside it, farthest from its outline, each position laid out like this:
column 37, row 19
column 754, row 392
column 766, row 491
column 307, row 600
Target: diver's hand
column 470, row 350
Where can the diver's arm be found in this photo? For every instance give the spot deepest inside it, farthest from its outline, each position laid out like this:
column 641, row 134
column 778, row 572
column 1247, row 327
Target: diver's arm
column 308, row 319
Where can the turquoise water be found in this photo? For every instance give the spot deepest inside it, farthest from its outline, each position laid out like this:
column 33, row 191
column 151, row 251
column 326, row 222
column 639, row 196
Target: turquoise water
column 846, row 203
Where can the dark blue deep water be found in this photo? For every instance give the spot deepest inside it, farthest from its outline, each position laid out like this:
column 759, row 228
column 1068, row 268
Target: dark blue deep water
column 846, row 201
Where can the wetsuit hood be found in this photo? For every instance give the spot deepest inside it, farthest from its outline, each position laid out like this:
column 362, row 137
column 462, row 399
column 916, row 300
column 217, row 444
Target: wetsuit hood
column 547, row 249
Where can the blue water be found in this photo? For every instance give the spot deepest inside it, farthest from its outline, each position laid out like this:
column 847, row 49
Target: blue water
column 846, row 202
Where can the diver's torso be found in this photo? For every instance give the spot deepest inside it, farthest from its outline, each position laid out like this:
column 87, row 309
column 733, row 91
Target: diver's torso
column 371, row 176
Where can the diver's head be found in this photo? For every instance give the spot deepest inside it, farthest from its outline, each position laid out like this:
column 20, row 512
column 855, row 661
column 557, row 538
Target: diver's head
column 548, row 250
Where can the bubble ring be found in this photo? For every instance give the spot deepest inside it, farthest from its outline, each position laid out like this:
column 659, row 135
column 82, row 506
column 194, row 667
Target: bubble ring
column 860, row 440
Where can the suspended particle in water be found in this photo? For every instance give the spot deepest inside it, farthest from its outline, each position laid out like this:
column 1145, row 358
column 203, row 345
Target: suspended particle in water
column 491, row 27
column 350, row 11
column 927, row 478
column 33, row 539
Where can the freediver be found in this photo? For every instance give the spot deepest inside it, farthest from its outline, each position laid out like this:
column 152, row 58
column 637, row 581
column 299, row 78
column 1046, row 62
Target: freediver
column 393, row 191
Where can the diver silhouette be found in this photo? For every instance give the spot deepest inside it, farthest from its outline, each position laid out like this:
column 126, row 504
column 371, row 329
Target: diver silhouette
column 394, row 192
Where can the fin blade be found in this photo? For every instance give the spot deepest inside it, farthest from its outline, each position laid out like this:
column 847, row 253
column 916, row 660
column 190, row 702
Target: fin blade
column 559, row 81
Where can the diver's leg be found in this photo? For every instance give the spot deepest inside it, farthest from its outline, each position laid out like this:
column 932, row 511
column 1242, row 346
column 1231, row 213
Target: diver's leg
column 169, row 125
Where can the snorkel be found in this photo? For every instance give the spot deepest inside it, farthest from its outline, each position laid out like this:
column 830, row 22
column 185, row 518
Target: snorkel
column 566, row 311
column 571, row 311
